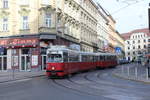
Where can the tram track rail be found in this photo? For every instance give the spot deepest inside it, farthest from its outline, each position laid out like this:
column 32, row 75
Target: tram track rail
column 90, row 85
column 73, row 89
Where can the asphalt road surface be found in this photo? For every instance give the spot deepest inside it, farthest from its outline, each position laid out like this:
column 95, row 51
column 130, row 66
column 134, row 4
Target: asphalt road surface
column 92, row 85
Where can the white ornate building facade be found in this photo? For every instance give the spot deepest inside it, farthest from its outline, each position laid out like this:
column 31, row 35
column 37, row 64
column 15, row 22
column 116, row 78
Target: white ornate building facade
column 137, row 43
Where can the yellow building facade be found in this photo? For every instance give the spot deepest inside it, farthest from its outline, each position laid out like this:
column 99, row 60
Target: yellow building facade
column 28, row 27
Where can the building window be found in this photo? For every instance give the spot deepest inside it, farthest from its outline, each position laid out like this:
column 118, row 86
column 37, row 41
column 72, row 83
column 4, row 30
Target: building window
column 138, row 41
column 128, row 48
column 144, row 46
column 128, row 53
column 139, row 47
column 25, row 24
column 128, row 58
column 144, row 40
column 128, row 42
column 24, row 2
column 133, row 52
column 133, row 47
column 5, row 3
column 48, row 20
column 5, row 24
column 133, row 42
column 45, row 2
column 148, row 40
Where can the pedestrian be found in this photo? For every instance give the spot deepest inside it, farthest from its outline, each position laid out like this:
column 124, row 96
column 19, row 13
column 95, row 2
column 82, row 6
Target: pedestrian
column 147, row 63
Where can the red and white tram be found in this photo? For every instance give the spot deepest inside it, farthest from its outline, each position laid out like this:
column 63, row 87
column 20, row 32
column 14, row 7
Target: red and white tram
column 62, row 61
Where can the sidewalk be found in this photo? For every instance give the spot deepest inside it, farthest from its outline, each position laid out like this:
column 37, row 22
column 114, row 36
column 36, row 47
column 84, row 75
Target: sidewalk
column 135, row 72
column 10, row 76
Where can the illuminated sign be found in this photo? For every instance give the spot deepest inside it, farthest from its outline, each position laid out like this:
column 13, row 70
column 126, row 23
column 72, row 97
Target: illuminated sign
column 18, row 42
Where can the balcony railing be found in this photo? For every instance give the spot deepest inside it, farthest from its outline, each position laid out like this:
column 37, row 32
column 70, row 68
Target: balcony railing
column 47, row 30
column 24, row 31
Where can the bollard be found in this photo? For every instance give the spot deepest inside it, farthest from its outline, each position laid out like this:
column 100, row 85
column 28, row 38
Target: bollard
column 148, row 69
column 136, row 74
column 128, row 71
column 122, row 70
column 147, row 74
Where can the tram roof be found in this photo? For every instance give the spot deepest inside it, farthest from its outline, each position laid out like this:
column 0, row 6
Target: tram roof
column 87, row 53
column 61, row 49
column 109, row 54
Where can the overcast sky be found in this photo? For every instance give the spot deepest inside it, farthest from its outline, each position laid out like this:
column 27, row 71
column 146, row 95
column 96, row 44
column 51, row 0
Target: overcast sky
column 127, row 17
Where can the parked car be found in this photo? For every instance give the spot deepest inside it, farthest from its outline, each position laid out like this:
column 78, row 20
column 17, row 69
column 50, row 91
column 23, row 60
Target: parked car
column 123, row 61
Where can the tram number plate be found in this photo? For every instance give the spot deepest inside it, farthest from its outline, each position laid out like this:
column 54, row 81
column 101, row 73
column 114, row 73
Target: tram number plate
column 53, row 73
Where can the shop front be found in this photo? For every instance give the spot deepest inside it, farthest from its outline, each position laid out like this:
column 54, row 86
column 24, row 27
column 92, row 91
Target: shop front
column 23, row 54
column 28, row 53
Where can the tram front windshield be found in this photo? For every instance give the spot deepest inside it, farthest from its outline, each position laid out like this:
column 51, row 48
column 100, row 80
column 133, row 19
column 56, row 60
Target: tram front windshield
column 55, row 58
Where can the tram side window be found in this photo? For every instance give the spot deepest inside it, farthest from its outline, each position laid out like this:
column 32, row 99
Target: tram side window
column 54, row 58
column 73, row 58
column 95, row 58
column 84, row 58
column 65, row 57
column 90, row 58
column 101, row 58
column 105, row 58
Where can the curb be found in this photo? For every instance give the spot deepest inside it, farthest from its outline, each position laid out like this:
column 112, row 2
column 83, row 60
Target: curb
column 13, row 80
column 131, row 79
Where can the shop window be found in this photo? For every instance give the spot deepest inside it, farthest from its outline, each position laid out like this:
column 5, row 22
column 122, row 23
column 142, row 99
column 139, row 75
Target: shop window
column 25, row 51
column 3, row 51
column 43, row 51
column 14, row 51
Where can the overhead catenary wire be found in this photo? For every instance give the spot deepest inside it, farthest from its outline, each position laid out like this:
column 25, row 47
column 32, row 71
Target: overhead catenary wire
column 128, row 5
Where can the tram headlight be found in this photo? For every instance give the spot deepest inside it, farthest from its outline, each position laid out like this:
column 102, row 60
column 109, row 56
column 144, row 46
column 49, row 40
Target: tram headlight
column 53, row 68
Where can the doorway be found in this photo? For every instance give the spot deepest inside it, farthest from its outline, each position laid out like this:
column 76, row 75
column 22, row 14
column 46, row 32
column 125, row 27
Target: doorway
column 43, row 67
column 3, row 63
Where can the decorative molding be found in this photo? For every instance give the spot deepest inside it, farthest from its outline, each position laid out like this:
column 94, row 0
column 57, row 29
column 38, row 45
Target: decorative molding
column 48, row 8
column 4, row 14
column 24, row 12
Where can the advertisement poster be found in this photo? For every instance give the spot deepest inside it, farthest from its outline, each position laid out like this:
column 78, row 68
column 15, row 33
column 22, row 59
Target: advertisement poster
column 34, row 60
column 15, row 59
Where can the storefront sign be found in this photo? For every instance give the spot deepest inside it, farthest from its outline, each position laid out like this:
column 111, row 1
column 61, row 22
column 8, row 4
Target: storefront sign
column 18, row 42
